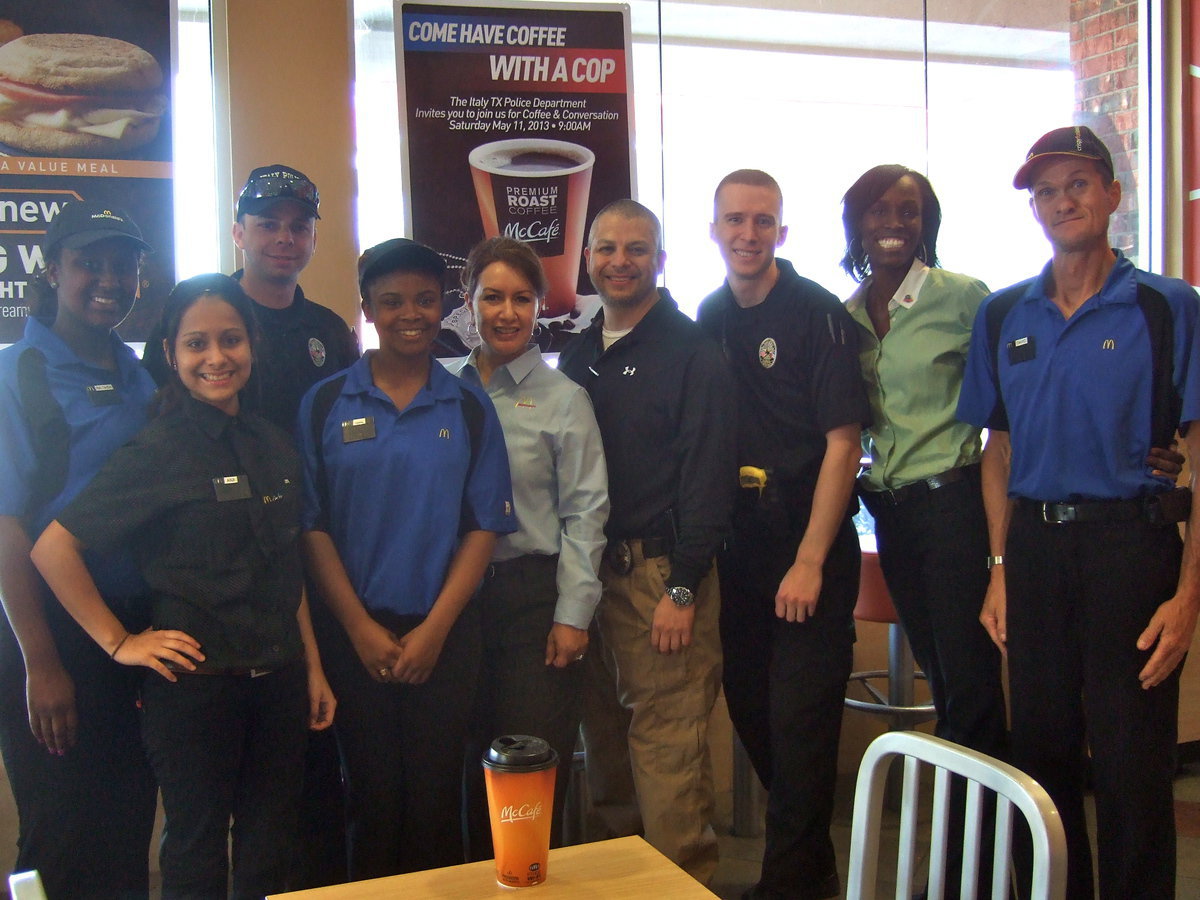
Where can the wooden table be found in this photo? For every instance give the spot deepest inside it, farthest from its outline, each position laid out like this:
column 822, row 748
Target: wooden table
column 622, row 868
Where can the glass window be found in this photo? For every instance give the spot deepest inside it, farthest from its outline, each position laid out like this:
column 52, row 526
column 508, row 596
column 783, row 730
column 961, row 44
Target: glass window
column 198, row 221
column 814, row 93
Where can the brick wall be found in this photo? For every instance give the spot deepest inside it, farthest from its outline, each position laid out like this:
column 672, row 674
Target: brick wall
column 1104, row 56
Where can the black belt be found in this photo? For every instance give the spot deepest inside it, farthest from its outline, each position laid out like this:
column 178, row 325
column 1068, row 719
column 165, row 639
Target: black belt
column 620, row 556
column 1157, row 509
column 520, row 563
column 919, row 488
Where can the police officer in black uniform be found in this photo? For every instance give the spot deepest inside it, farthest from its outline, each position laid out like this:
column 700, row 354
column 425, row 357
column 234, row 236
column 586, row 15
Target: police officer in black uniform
column 303, row 342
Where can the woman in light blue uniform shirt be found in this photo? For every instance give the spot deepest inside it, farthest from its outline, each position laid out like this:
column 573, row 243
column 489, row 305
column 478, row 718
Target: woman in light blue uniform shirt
column 542, row 588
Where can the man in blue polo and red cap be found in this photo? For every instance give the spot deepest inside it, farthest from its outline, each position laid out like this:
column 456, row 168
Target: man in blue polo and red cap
column 1077, row 373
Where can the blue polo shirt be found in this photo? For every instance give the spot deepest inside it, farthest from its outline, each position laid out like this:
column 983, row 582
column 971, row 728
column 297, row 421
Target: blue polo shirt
column 1075, row 394
column 98, row 422
column 404, row 485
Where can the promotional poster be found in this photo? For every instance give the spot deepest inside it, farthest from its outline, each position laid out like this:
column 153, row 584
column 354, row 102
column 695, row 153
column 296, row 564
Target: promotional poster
column 516, row 120
column 84, row 114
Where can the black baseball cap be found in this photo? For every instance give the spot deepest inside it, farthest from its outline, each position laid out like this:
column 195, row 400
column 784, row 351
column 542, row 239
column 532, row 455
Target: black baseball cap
column 398, row 255
column 82, row 222
column 1074, row 140
column 267, row 184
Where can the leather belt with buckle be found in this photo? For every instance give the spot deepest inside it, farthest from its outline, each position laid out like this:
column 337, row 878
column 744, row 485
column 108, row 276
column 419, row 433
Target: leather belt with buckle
column 921, row 488
column 1157, row 509
column 619, row 553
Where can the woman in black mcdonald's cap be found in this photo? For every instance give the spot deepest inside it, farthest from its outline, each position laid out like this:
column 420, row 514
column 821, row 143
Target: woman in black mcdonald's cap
column 71, row 393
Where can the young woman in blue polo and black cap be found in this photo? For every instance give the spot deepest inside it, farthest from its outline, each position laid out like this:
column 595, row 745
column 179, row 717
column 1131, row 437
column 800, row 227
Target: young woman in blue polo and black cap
column 71, row 393
column 407, row 486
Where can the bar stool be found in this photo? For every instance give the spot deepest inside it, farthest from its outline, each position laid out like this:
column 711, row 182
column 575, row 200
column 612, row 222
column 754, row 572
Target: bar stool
column 875, row 605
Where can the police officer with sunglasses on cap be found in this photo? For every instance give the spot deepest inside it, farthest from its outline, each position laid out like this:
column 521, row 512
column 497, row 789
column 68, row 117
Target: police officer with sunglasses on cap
column 303, row 342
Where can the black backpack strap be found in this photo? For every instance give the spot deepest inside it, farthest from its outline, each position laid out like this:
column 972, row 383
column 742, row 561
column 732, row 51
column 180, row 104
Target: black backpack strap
column 473, row 415
column 997, row 310
column 49, row 432
column 327, row 394
column 323, row 402
column 472, row 411
column 1166, row 404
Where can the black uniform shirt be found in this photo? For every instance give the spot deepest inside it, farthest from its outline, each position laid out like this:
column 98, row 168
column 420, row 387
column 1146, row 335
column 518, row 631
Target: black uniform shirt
column 664, row 402
column 795, row 359
column 210, row 505
column 301, row 345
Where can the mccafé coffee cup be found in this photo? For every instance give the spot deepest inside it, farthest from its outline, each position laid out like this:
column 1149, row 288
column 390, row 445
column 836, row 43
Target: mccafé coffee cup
column 519, row 772
column 536, row 190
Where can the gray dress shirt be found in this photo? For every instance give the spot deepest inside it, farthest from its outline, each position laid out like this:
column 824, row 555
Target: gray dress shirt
column 559, row 476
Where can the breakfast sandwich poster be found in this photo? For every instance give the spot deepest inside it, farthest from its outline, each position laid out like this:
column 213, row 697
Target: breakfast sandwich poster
column 516, row 119
column 84, row 114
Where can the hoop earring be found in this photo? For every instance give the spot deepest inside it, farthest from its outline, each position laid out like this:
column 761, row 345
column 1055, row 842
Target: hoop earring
column 471, row 329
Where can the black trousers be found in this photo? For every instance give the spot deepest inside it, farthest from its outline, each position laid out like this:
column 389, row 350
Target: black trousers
column 785, row 683
column 932, row 549
column 227, row 747
column 85, row 818
column 1078, row 597
column 519, row 693
column 402, row 751
column 321, row 831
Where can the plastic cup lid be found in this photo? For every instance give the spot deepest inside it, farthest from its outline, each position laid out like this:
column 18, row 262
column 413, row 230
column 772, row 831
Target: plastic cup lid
column 519, row 752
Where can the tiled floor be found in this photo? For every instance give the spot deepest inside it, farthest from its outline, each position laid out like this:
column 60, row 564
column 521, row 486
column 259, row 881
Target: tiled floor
column 740, row 856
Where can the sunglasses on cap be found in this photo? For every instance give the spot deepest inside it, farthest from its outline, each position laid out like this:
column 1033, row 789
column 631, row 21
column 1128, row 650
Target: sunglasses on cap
column 276, row 185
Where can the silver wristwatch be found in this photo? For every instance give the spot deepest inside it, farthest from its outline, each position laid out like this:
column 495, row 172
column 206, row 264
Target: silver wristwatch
column 681, row 596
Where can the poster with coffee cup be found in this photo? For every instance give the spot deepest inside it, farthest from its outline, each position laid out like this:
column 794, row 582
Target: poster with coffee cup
column 516, row 121
column 84, row 115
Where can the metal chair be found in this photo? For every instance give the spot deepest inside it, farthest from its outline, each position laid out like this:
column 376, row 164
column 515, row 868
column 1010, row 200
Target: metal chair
column 1011, row 787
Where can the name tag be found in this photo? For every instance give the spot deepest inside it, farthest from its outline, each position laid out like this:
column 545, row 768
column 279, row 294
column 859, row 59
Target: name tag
column 358, row 430
column 231, row 487
column 1021, row 350
column 103, row 395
